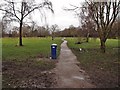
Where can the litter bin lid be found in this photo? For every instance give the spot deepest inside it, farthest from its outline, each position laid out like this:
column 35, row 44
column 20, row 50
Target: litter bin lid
column 54, row 44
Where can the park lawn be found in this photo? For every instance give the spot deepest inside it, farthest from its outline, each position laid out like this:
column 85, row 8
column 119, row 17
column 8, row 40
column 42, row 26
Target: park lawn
column 28, row 66
column 93, row 43
column 103, row 69
column 33, row 47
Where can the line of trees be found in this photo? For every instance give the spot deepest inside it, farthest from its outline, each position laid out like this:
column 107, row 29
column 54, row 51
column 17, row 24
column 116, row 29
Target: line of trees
column 39, row 31
column 54, row 31
column 83, row 32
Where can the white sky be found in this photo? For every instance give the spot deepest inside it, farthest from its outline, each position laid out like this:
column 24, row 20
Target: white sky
column 64, row 18
column 61, row 17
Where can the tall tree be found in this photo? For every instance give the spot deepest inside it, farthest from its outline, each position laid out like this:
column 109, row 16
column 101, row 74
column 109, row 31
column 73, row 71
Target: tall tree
column 87, row 24
column 104, row 15
column 18, row 11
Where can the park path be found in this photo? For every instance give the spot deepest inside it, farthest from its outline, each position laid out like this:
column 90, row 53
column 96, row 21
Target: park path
column 69, row 74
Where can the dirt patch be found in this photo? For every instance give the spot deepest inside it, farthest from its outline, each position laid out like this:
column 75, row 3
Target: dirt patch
column 102, row 78
column 28, row 74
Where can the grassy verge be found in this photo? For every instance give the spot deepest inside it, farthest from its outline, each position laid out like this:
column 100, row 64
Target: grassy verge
column 103, row 69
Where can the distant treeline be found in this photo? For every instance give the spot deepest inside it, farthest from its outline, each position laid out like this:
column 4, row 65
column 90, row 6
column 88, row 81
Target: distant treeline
column 72, row 31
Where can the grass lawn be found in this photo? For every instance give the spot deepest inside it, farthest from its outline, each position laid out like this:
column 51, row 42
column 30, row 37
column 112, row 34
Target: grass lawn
column 28, row 66
column 103, row 69
column 33, row 47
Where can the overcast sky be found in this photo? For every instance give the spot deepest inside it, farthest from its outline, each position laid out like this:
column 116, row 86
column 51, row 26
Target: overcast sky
column 64, row 18
column 61, row 17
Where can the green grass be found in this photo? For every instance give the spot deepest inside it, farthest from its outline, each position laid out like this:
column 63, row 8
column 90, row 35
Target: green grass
column 101, row 67
column 93, row 43
column 32, row 47
column 92, row 52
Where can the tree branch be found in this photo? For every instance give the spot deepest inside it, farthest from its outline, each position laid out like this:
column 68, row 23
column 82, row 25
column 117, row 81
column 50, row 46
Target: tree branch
column 9, row 13
column 30, row 11
column 15, row 12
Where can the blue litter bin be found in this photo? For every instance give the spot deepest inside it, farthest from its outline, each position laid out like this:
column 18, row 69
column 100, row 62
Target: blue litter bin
column 54, row 51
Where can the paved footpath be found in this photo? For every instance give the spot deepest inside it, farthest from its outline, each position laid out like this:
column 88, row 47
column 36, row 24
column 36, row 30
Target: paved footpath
column 69, row 74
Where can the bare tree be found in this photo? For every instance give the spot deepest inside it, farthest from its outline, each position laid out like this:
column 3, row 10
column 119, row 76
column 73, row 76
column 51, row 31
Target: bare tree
column 104, row 15
column 87, row 24
column 33, row 25
column 15, row 31
column 83, row 17
column 18, row 11
column 26, row 30
column 54, row 28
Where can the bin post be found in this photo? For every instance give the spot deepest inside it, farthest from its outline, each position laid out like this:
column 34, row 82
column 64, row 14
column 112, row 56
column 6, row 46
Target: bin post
column 54, row 51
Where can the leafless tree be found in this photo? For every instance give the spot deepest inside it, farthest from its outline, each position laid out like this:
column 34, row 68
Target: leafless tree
column 104, row 15
column 33, row 25
column 54, row 28
column 87, row 24
column 15, row 31
column 42, row 31
column 26, row 30
column 85, row 21
column 18, row 11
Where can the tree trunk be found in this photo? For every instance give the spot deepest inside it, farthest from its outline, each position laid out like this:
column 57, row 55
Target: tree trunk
column 20, row 34
column 52, row 37
column 103, row 47
column 87, row 38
